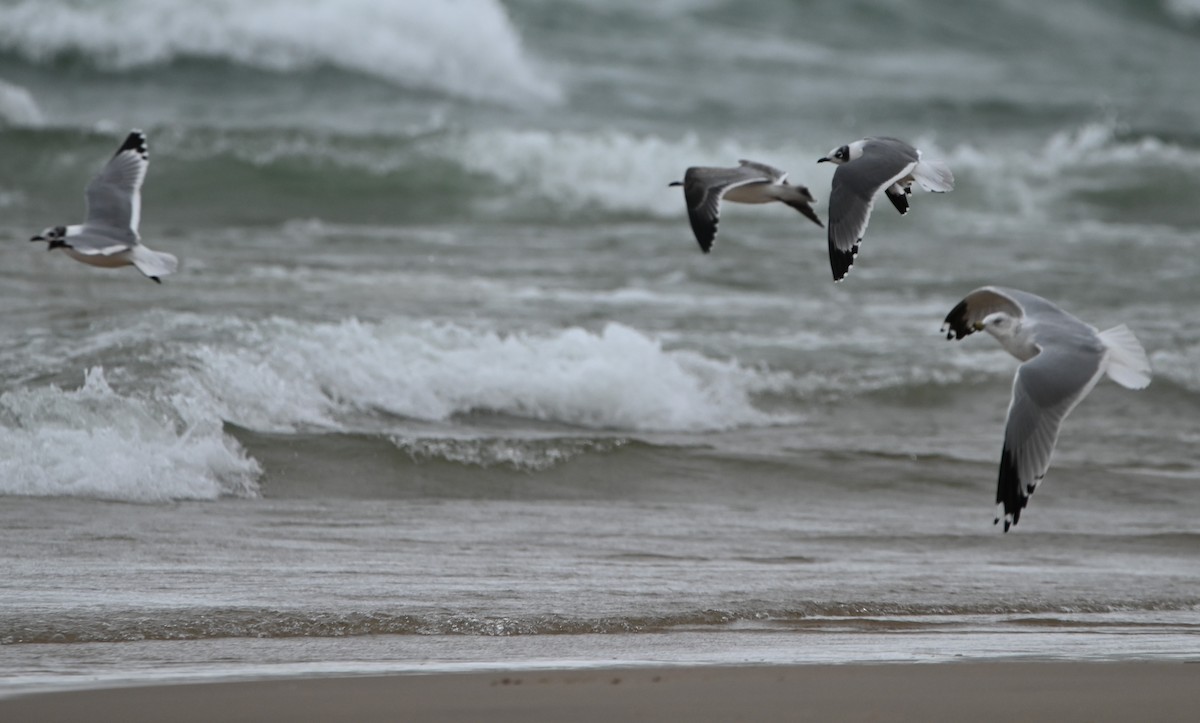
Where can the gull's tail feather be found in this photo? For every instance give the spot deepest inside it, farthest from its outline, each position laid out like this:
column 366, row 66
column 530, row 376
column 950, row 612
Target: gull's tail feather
column 153, row 263
column 933, row 176
column 1127, row 362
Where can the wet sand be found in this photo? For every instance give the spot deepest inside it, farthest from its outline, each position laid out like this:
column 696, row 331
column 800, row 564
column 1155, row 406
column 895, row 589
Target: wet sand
column 981, row 692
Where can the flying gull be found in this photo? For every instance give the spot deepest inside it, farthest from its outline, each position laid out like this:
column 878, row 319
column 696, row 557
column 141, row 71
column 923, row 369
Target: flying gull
column 109, row 237
column 1062, row 357
column 750, row 182
column 865, row 168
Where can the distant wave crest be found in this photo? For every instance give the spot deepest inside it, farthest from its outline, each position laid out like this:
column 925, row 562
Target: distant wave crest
column 1185, row 10
column 464, row 48
column 17, row 106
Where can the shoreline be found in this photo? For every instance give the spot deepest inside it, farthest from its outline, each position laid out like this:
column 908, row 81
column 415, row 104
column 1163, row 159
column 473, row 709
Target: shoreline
column 977, row 691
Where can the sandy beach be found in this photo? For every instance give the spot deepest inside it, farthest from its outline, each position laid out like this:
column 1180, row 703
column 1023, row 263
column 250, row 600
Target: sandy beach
column 1004, row 691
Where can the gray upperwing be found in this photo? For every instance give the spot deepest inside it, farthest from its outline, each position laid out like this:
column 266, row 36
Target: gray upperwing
column 1045, row 390
column 849, row 211
column 880, row 165
column 703, row 189
column 1046, row 313
column 772, row 173
column 882, row 147
column 114, row 195
column 900, row 154
column 1054, row 327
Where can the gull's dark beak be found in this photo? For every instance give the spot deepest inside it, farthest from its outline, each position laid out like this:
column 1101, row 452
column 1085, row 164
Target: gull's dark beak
column 674, row 183
column 822, row 159
column 38, row 238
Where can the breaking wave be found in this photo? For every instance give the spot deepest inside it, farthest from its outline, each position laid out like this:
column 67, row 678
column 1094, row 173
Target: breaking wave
column 463, row 48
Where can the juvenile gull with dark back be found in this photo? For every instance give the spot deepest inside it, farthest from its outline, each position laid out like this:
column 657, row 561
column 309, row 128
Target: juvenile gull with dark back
column 749, row 182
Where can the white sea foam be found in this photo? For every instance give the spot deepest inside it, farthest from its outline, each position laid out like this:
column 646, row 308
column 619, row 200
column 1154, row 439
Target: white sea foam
column 17, row 106
column 466, row 48
column 98, row 442
column 162, row 438
column 283, row 375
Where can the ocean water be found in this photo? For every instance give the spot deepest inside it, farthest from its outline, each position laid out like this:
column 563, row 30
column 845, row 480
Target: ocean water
column 444, row 381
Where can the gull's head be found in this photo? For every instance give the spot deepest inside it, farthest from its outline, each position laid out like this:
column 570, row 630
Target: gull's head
column 844, row 154
column 999, row 324
column 52, row 234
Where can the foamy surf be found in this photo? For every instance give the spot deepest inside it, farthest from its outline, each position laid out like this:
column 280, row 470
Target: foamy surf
column 283, row 375
column 463, row 48
column 166, row 441
column 100, row 443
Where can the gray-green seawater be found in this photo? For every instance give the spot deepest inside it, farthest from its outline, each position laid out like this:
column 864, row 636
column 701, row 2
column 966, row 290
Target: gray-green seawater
column 443, row 364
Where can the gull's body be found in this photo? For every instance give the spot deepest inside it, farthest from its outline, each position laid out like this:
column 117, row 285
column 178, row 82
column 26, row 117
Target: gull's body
column 749, row 182
column 865, row 168
column 109, row 236
column 1063, row 358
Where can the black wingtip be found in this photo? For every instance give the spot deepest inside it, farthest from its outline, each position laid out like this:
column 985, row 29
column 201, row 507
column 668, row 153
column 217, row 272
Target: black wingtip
column 957, row 322
column 840, row 261
column 135, row 141
column 1009, row 490
column 899, row 200
column 705, row 233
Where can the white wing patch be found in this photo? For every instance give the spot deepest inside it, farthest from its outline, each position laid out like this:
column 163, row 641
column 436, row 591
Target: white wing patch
column 101, row 250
